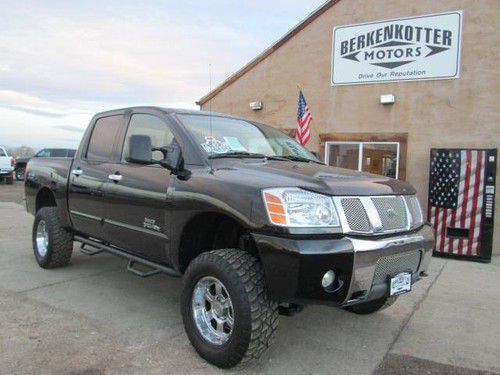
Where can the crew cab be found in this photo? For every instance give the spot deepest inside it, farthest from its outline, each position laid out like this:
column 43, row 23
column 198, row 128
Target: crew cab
column 255, row 223
column 6, row 166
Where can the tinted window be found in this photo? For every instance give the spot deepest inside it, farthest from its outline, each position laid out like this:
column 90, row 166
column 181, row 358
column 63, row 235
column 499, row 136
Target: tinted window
column 71, row 153
column 103, row 137
column 58, row 153
column 152, row 126
column 2, row 152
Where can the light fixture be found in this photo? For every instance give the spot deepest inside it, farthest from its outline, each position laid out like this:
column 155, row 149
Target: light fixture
column 387, row 99
column 256, row 106
column 328, row 279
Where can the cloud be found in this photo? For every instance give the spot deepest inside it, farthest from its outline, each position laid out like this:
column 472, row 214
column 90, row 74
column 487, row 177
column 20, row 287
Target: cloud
column 61, row 62
column 69, row 128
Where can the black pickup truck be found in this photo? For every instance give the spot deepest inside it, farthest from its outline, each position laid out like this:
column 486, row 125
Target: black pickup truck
column 254, row 222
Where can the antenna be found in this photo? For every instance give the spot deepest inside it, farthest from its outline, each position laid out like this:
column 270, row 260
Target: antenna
column 210, row 111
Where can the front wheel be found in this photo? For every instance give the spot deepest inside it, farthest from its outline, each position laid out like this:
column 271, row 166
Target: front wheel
column 227, row 315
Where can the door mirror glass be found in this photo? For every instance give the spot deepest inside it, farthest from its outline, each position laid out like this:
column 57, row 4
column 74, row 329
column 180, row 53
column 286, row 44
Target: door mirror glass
column 140, row 149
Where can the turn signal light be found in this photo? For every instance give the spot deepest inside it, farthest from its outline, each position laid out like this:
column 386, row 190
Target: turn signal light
column 275, row 208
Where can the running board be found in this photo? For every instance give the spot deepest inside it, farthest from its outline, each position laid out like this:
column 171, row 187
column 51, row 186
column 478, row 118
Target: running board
column 133, row 259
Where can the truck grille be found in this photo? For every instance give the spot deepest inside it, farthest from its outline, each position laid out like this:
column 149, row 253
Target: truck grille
column 414, row 208
column 379, row 214
column 356, row 215
column 394, row 264
column 392, row 212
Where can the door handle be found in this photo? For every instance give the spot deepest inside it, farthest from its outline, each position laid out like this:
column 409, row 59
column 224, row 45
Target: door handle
column 115, row 177
column 77, row 172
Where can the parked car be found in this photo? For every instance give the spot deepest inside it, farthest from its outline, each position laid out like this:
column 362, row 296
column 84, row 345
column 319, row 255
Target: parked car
column 255, row 223
column 6, row 166
column 44, row 153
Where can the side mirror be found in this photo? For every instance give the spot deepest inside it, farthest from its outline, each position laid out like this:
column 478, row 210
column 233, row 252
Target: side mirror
column 173, row 161
column 140, row 150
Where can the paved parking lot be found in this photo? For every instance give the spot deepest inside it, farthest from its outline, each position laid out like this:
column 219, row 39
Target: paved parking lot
column 94, row 317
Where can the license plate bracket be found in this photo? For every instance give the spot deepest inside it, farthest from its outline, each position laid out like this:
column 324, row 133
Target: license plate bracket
column 399, row 284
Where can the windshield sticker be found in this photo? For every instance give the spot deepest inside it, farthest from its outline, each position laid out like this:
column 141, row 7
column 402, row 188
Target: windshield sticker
column 293, row 145
column 213, row 146
column 234, row 144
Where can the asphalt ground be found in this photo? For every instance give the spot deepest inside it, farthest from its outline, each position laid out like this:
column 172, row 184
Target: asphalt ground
column 94, row 317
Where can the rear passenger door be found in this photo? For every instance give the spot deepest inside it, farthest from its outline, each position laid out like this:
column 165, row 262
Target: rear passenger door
column 89, row 175
column 137, row 194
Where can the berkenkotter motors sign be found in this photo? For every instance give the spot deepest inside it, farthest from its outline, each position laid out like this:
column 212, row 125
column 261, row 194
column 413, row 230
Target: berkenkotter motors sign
column 404, row 49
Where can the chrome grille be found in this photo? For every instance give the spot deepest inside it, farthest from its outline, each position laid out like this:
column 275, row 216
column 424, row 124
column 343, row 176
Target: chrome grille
column 415, row 210
column 356, row 215
column 392, row 265
column 392, row 212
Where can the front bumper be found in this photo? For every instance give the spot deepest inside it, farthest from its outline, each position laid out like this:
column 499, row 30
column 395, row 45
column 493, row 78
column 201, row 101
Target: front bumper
column 294, row 268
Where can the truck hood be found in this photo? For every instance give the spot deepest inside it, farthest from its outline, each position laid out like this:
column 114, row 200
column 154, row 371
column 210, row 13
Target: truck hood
column 311, row 176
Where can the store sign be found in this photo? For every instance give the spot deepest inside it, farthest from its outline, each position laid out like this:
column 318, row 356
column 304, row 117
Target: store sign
column 404, row 49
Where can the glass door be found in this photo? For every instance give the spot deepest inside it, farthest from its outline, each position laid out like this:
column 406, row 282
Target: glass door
column 373, row 157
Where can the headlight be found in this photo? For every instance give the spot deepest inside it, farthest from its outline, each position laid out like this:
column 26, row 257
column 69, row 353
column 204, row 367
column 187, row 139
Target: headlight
column 293, row 207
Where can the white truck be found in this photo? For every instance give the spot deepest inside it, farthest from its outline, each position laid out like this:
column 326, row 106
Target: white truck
column 7, row 164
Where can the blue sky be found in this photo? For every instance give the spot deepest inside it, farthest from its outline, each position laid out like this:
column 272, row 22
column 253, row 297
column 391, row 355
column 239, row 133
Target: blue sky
column 63, row 61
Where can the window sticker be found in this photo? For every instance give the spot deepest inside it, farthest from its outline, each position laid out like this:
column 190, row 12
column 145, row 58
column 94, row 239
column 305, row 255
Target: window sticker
column 213, row 146
column 234, row 144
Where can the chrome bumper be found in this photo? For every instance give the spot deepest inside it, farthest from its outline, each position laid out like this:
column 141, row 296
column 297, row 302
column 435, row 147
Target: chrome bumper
column 369, row 252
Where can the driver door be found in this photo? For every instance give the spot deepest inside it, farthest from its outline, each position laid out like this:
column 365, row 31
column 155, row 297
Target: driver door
column 137, row 195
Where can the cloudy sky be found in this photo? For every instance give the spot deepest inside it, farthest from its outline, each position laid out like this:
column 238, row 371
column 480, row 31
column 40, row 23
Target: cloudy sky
column 63, row 61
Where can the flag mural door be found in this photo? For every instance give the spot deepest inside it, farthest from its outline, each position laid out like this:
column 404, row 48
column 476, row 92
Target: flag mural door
column 461, row 201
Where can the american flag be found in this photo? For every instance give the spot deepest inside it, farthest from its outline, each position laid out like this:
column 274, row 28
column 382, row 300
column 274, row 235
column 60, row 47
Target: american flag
column 304, row 118
column 456, row 199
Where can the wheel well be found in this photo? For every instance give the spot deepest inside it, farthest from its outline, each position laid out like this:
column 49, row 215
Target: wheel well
column 210, row 231
column 45, row 198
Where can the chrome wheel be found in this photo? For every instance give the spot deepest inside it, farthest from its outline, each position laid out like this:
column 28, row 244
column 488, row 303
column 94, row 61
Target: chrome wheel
column 42, row 238
column 212, row 310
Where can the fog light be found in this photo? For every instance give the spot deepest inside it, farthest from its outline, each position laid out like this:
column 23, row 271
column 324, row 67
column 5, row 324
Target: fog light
column 328, row 279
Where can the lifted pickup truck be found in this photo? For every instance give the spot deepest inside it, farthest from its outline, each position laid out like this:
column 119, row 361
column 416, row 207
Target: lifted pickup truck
column 255, row 223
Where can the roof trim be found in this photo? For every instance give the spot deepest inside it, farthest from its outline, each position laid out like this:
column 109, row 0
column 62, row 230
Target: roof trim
column 285, row 38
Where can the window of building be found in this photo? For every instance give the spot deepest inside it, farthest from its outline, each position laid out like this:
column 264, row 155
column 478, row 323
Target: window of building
column 374, row 157
column 103, row 138
column 154, row 127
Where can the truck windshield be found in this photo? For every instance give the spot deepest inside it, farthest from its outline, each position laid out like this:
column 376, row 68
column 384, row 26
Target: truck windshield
column 227, row 137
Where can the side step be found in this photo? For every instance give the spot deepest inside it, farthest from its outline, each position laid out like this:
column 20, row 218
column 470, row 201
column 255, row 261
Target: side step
column 133, row 259
column 89, row 252
column 132, row 267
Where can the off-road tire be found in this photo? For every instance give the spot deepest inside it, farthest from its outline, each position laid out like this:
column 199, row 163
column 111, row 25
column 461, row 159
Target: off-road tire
column 255, row 316
column 370, row 307
column 60, row 246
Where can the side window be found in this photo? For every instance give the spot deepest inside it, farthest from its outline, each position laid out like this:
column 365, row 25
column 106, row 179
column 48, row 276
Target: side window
column 58, row 153
column 103, row 137
column 154, row 127
column 71, row 154
column 2, row 152
column 43, row 153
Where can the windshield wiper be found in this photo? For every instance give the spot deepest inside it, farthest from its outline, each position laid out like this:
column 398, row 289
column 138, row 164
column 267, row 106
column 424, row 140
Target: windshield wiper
column 294, row 158
column 237, row 154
